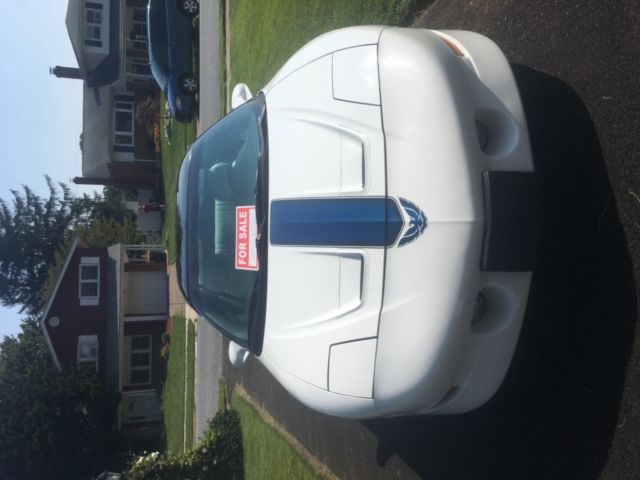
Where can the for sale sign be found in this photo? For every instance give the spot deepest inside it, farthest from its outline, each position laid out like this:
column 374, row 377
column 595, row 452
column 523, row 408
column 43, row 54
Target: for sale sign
column 246, row 233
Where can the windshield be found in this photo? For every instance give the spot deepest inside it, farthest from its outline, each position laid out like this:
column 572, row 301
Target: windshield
column 219, row 212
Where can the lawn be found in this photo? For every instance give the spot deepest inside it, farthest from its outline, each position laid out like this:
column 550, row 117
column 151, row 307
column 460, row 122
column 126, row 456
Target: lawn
column 173, row 150
column 267, row 454
column 176, row 405
column 265, row 33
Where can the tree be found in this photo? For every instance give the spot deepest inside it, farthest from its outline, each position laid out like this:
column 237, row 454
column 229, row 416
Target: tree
column 111, row 205
column 51, row 420
column 33, row 229
column 30, row 234
column 106, row 232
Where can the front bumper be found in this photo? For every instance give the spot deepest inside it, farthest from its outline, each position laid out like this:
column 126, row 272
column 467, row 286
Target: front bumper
column 433, row 355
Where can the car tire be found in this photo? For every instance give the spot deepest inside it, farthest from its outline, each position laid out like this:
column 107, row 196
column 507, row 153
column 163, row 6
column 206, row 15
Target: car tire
column 190, row 8
column 189, row 84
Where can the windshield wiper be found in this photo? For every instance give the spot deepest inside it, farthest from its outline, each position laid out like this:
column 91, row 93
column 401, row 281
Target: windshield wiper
column 258, row 303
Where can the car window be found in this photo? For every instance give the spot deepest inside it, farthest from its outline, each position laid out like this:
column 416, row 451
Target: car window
column 157, row 34
column 222, row 174
column 157, row 22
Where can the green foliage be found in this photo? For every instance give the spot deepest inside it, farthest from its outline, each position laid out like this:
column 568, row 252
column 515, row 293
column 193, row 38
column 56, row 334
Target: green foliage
column 217, row 456
column 51, row 420
column 32, row 230
column 106, row 232
column 111, row 205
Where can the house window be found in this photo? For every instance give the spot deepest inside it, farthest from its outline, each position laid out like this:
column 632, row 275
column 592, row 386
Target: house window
column 88, row 350
column 94, row 17
column 123, row 122
column 89, row 289
column 140, row 360
column 93, row 24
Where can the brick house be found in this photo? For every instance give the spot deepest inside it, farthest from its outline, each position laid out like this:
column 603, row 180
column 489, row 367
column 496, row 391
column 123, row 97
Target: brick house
column 108, row 309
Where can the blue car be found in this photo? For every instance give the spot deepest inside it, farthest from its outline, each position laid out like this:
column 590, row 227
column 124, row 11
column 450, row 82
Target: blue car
column 171, row 35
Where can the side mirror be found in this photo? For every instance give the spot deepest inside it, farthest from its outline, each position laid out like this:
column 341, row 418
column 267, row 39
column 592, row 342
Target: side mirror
column 240, row 94
column 237, row 354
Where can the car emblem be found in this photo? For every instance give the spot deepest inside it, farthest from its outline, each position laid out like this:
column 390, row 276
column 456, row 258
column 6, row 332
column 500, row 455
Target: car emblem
column 417, row 222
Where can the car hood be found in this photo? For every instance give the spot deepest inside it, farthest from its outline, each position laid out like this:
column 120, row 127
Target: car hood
column 324, row 293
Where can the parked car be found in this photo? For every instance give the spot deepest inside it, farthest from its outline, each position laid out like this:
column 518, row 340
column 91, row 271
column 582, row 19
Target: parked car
column 365, row 225
column 171, row 37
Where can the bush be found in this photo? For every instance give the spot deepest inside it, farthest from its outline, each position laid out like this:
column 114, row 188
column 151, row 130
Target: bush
column 148, row 113
column 218, row 456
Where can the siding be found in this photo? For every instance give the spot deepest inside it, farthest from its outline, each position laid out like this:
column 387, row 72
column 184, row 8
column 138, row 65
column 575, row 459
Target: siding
column 75, row 319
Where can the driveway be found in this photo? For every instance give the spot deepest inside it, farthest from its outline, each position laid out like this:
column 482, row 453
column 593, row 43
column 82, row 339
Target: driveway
column 570, row 406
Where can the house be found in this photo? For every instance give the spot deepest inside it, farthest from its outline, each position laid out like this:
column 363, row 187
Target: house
column 108, row 310
column 109, row 39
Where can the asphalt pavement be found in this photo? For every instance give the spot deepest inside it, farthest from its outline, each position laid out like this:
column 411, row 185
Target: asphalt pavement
column 570, row 405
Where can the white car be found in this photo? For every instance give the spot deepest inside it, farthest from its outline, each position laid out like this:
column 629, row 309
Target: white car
column 365, row 225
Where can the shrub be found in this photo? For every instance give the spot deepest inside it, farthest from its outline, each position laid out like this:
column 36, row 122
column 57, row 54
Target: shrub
column 218, row 456
column 148, row 113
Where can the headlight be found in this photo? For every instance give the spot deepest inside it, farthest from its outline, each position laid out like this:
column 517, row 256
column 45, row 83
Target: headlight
column 178, row 103
column 355, row 75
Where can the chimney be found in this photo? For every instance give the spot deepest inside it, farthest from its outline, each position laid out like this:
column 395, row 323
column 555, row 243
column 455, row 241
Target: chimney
column 65, row 72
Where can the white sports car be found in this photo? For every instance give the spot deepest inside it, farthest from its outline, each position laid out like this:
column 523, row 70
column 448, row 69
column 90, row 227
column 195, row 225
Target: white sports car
column 364, row 226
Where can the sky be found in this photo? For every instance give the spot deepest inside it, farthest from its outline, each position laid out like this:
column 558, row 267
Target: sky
column 41, row 115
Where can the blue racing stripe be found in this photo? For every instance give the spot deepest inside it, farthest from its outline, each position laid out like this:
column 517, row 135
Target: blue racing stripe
column 335, row 222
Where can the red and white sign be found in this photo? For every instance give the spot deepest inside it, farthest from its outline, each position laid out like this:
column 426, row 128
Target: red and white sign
column 246, row 233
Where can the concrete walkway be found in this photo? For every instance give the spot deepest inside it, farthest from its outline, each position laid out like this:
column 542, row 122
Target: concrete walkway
column 176, row 300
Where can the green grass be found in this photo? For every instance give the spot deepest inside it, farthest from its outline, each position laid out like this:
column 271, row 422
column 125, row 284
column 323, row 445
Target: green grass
column 191, row 370
column 182, row 135
column 181, row 365
column 265, row 33
column 266, row 453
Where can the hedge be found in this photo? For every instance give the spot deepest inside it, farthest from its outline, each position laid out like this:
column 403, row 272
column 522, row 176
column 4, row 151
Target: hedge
column 218, row 456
